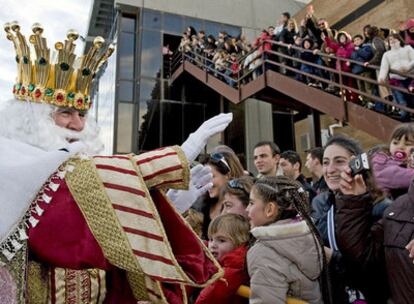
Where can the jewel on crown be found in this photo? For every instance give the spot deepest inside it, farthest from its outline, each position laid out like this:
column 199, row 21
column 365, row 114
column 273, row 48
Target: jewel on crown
column 58, row 83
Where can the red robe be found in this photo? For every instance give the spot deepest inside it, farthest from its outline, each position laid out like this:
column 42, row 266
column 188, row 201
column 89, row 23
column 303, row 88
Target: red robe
column 63, row 239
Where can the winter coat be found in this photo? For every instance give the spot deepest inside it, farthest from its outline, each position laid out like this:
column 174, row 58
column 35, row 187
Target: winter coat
column 235, row 274
column 398, row 225
column 284, row 260
column 378, row 47
column 409, row 39
column 341, row 50
column 363, row 54
column 395, row 59
column 359, row 238
column 341, row 271
column 387, row 168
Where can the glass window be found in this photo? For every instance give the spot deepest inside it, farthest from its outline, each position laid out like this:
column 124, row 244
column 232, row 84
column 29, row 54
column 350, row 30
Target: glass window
column 128, row 24
column 124, row 131
column 212, row 28
column 173, row 24
column 231, row 30
column 152, row 19
column 172, row 123
column 126, row 48
column 149, row 89
column 197, row 24
column 125, row 92
column 194, row 117
column 149, row 125
column 151, row 53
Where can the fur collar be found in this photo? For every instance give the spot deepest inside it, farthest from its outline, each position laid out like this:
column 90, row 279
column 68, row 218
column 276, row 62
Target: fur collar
column 281, row 229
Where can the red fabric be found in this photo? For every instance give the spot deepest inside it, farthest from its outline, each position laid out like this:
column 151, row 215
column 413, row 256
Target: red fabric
column 63, row 239
column 235, row 274
column 186, row 246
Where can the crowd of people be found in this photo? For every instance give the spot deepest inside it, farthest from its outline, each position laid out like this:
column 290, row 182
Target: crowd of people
column 379, row 54
column 345, row 236
column 174, row 226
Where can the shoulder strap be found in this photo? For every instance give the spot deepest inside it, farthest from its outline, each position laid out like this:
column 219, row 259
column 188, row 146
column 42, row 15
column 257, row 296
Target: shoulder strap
column 331, row 229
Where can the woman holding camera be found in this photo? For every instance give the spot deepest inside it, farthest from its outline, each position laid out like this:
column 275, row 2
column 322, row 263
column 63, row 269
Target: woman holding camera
column 378, row 244
column 351, row 281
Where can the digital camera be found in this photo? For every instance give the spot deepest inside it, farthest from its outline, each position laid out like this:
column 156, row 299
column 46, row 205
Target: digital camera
column 359, row 164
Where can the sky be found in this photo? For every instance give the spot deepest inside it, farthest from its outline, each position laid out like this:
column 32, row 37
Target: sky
column 56, row 16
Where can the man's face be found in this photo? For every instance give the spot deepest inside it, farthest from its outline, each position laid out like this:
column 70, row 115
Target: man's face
column 311, row 163
column 264, row 161
column 288, row 168
column 70, row 119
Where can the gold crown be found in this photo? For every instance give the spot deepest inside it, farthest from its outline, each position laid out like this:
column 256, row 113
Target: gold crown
column 58, row 83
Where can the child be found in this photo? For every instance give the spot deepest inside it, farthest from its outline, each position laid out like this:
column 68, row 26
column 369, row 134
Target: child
column 287, row 258
column 392, row 169
column 228, row 237
column 235, row 195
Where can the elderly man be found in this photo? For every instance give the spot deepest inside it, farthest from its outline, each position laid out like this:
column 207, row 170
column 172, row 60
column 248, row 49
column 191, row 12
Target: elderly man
column 82, row 229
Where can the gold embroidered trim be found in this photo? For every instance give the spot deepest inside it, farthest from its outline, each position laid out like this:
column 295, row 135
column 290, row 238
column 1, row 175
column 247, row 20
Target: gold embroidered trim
column 38, row 286
column 186, row 167
column 90, row 195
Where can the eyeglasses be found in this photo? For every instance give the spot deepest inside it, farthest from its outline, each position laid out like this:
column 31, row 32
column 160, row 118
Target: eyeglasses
column 235, row 184
column 219, row 160
column 321, row 24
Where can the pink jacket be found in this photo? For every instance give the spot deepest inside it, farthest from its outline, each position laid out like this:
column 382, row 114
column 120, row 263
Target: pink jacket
column 390, row 173
column 344, row 51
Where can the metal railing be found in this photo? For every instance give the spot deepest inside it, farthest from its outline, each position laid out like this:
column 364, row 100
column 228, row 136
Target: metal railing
column 279, row 58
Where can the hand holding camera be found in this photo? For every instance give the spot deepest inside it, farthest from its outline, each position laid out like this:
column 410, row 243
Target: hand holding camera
column 352, row 178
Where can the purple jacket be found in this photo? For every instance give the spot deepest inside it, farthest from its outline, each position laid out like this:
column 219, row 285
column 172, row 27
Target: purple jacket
column 390, row 173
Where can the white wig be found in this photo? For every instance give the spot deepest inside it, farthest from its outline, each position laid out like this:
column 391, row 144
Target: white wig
column 32, row 123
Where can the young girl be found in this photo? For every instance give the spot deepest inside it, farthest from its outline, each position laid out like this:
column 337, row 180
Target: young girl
column 235, row 195
column 287, row 258
column 392, row 167
column 228, row 237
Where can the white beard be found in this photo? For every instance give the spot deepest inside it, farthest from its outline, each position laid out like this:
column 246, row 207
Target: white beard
column 32, row 123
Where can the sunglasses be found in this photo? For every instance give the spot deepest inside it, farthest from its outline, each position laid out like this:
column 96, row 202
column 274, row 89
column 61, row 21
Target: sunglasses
column 321, row 24
column 234, row 184
column 219, row 159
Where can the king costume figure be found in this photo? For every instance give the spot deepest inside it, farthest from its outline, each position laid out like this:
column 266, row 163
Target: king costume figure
column 78, row 228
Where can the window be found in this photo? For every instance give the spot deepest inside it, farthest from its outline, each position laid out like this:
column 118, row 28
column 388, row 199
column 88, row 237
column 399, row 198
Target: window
column 124, row 131
column 173, row 24
column 128, row 24
column 149, row 125
column 197, row 24
column 151, row 19
column 151, row 53
column 149, row 89
column 125, row 92
column 172, row 123
column 126, row 55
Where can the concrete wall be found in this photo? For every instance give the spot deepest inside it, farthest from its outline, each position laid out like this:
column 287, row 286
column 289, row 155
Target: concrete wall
column 387, row 14
column 253, row 14
column 259, row 122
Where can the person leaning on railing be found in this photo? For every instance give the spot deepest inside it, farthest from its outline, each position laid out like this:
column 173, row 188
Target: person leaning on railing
column 399, row 58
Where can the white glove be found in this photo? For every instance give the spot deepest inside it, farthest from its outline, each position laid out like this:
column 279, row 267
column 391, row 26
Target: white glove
column 197, row 140
column 201, row 180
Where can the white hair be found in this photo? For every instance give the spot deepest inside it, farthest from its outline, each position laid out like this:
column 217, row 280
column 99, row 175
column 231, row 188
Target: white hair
column 32, row 123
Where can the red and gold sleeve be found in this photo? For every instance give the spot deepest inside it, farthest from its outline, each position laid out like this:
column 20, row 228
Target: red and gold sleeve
column 164, row 168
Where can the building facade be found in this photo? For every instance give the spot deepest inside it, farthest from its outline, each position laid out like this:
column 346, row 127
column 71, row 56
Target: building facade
column 139, row 108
